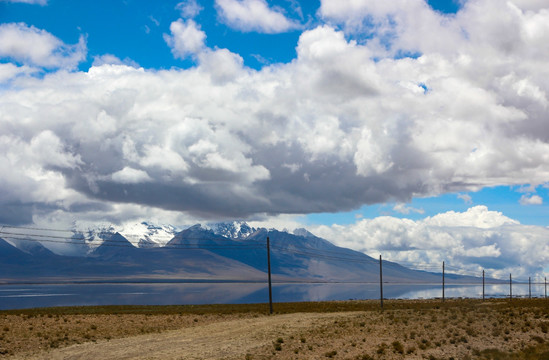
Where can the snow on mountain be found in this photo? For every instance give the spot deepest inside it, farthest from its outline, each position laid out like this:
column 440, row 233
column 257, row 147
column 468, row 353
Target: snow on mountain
column 232, row 230
column 91, row 238
column 147, row 235
column 222, row 251
column 303, row 232
column 84, row 241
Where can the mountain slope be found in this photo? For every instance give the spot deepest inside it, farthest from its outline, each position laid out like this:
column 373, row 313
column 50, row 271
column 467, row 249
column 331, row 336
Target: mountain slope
column 231, row 251
column 11, row 255
column 303, row 257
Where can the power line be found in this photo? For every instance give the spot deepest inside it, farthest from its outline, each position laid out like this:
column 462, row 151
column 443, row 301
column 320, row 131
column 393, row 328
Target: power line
column 106, row 238
column 37, row 229
column 125, row 245
column 319, row 256
column 76, row 232
column 216, row 243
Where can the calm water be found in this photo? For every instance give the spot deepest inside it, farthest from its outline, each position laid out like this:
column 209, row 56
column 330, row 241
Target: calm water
column 29, row 296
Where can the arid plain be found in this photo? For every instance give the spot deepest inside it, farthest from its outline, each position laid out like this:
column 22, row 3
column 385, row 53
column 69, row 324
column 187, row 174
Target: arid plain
column 411, row 329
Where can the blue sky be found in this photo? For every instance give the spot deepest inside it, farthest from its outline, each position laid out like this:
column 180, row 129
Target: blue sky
column 504, row 199
column 133, row 29
column 324, row 114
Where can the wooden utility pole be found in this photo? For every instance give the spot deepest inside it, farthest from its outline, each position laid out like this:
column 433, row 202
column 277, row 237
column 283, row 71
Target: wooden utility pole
column 380, row 281
column 269, row 271
column 482, row 285
column 510, row 287
column 443, row 281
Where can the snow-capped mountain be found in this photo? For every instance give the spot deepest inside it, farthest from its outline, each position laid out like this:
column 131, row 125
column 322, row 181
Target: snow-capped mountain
column 232, row 230
column 147, row 235
column 199, row 253
column 86, row 241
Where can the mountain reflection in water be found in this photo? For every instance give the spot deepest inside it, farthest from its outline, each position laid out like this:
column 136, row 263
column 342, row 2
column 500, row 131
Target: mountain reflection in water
column 40, row 295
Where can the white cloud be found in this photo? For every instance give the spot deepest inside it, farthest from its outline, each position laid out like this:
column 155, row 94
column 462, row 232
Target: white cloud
column 478, row 217
column 221, row 65
column 253, row 15
column 130, row 176
column 533, row 5
column 495, row 243
column 47, row 147
column 186, row 38
column 32, row 46
column 403, row 209
column 531, row 200
column 189, row 8
column 10, row 71
column 112, row 60
column 154, row 21
column 342, row 125
column 467, row 199
column 163, row 158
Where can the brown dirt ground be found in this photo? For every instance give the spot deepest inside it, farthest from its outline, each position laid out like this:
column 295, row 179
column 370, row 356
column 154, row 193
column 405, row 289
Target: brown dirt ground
column 409, row 329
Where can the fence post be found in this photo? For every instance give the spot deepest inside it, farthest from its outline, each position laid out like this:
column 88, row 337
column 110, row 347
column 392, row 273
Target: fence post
column 380, row 281
column 482, row 285
column 510, row 287
column 269, row 271
column 443, row 281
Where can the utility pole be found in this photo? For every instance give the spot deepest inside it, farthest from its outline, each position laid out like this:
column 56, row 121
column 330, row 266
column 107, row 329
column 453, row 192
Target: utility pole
column 510, row 287
column 482, row 285
column 381, row 281
column 443, row 281
column 269, row 271
column 529, row 287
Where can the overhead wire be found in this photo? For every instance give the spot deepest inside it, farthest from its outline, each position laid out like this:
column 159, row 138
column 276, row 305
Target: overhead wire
column 81, row 232
column 311, row 254
column 176, row 246
column 123, row 243
column 219, row 243
column 112, row 242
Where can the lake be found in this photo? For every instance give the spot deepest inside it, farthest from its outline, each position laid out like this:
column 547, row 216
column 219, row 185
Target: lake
column 40, row 295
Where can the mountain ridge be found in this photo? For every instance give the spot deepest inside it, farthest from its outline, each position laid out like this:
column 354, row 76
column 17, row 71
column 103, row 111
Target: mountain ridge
column 226, row 251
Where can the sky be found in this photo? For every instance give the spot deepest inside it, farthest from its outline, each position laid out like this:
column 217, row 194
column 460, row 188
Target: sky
column 414, row 129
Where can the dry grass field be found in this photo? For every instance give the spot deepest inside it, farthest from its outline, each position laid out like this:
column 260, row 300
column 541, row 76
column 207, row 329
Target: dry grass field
column 405, row 329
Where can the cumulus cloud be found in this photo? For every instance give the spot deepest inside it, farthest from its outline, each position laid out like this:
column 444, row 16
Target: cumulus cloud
column 130, row 176
column 221, row 65
column 35, row 47
column 468, row 242
column 186, row 38
column 253, row 15
column 345, row 123
column 11, row 71
column 531, row 200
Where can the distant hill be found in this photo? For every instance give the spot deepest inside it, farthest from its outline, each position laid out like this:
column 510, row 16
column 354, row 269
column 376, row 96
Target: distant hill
column 228, row 251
